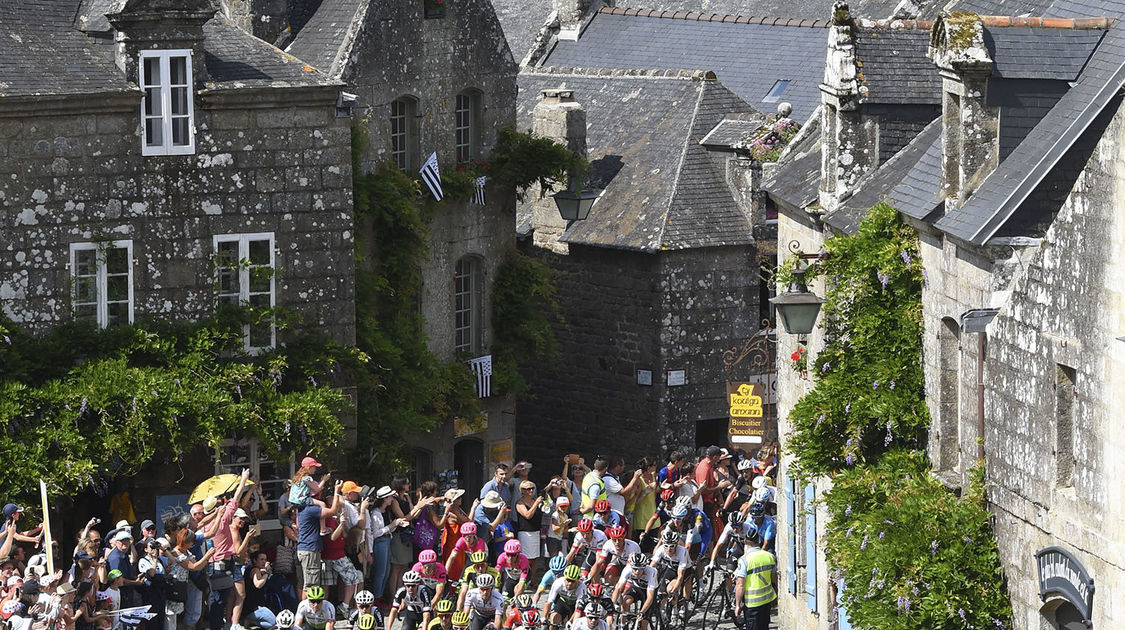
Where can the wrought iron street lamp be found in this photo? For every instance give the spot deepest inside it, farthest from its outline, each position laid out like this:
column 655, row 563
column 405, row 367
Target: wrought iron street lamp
column 575, row 205
column 798, row 307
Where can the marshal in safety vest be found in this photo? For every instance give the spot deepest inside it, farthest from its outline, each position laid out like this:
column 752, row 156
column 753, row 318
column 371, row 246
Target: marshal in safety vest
column 592, row 483
column 756, row 568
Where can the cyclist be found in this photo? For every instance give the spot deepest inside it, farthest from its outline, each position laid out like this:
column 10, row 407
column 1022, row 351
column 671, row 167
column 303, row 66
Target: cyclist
column 564, row 594
column 765, row 493
column 671, row 561
column 443, row 610
column 365, row 621
column 411, row 603
column 365, row 605
column 530, row 620
column 460, row 620
column 594, row 619
column 587, row 542
column 740, row 492
column 513, row 568
column 637, row 584
column 313, row 613
column 468, row 543
column 735, row 533
column 613, row 555
column 554, row 571
column 596, row 592
column 692, row 526
column 432, row 572
column 605, row 516
column 521, row 604
column 479, row 566
column 484, row 603
column 767, row 529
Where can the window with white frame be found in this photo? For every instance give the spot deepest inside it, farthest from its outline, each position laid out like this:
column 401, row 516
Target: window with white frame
column 272, row 473
column 466, row 125
column 245, row 267
column 467, row 305
column 102, row 282
column 404, row 136
column 167, row 110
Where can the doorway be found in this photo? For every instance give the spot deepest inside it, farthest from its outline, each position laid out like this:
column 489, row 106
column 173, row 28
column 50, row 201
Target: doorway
column 1064, row 617
column 468, row 459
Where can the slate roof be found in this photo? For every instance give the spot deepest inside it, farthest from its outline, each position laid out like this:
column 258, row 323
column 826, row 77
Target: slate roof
column 521, row 21
column 795, row 181
column 803, row 9
column 748, row 58
column 1002, row 193
column 917, row 194
column 236, row 59
column 879, row 185
column 894, row 66
column 664, row 190
column 326, row 40
column 1059, row 53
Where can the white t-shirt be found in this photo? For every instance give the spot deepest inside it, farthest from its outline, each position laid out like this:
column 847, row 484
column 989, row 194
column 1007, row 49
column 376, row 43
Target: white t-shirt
column 609, row 549
column 613, row 489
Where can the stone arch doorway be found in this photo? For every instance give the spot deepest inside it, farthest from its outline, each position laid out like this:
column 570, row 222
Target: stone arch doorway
column 1061, row 615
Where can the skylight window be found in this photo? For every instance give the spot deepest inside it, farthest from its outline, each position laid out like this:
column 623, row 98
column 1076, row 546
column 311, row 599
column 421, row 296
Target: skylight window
column 776, row 91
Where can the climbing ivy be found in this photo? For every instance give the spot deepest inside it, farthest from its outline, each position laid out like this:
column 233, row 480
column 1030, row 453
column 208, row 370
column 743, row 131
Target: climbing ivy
column 523, row 307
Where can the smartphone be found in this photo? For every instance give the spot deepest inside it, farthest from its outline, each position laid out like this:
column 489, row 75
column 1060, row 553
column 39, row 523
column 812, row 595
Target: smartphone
column 256, row 529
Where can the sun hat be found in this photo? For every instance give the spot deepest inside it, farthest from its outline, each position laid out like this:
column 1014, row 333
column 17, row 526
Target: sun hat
column 123, row 535
column 209, row 505
column 453, row 494
column 492, row 500
column 384, row 492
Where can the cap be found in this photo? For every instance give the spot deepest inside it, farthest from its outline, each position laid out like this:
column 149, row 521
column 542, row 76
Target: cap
column 164, row 542
column 11, row 509
column 82, row 554
column 724, row 453
column 241, row 513
column 713, row 451
column 113, row 575
column 209, row 504
column 30, row 586
column 309, row 461
column 123, row 535
column 145, row 524
column 15, row 580
column 563, row 501
column 350, row 487
column 492, row 500
column 384, row 492
column 11, row 607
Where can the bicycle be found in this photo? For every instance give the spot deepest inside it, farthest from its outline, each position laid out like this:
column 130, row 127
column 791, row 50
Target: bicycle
column 719, row 600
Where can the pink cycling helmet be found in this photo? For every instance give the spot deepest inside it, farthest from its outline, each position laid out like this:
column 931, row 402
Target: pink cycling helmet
column 468, row 529
column 427, row 556
column 512, row 547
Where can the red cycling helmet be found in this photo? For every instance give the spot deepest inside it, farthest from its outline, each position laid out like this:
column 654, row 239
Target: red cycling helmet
column 615, row 532
column 601, row 506
column 594, row 589
column 585, row 525
column 666, row 494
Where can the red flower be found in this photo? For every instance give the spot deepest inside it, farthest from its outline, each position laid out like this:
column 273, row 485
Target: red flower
column 796, row 356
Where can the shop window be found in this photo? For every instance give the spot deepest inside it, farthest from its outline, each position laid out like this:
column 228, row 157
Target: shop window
column 102, row 282
column 272, row 473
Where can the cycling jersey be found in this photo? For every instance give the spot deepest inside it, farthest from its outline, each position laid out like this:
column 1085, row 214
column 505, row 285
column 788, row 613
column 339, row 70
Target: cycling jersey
column 609, row 553
column 694, row 528
column 612, row 518
column 561, row 594
column 605, row 600
column 645, row 579
column 513, row 567
column 353, row 616
column 431, row 581
column 583, row 624
column 677, row 558
column 767, row 529
column 586, row 548
column 476, row 602
column 469, row 577
column 419, row 603
column 546, row 581
column 435, row 624
column 315, row 619
column 737, row 535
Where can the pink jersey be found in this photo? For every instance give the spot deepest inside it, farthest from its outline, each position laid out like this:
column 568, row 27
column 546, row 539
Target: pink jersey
column 514, row 567
column 463, row 546
column 431, row 579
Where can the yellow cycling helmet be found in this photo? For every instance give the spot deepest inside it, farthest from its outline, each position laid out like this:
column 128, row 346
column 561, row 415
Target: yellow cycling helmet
column 444, row 606
column 365, row 622
column 314, row 593
column 460, row 619
column 478, row 557
column 572, row 572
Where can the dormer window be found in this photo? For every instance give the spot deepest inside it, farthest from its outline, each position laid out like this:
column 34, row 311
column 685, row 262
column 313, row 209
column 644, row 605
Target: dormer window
column 167, row 110
column 774, row 95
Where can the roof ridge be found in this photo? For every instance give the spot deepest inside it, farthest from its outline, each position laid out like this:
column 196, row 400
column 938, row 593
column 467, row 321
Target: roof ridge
column 658, row 73
column 1096, row 23
column 715, row 17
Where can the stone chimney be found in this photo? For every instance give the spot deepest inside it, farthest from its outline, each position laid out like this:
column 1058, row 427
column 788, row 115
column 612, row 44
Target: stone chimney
column 850, row 145
column 970, row 129
column 571, row 13
column 265, row 19
column 561, row 118
column 161, row 25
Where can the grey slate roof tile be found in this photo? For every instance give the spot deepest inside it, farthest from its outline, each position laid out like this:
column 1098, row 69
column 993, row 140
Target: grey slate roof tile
column 895, row 68
column 748, row 58
column 1003, row 192
column 1040, row 53
column 730, row 131
column 643, row 132
column 916, row 195
column 323, row 42
column 237, row 59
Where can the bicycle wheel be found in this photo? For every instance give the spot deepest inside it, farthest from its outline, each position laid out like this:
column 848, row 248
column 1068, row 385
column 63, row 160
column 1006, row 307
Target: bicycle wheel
column 708, row 607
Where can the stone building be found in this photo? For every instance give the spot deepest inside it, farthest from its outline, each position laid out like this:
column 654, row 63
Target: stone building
column 144, row 150
column 435, row 77
column 1012, row 189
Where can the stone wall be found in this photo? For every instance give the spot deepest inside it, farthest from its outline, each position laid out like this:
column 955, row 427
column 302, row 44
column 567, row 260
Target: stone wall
column 72, row 173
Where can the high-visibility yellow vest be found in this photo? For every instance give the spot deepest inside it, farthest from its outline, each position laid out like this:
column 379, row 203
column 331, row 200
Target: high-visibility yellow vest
column 758, row 584
column 588, row 481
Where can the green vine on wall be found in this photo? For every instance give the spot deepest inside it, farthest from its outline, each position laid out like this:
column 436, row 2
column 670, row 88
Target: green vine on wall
column 523, row 307
column 518, row 160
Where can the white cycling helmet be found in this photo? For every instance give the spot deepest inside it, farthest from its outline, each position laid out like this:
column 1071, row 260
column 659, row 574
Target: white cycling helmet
column 745, row 465
column 364, row 598
column 285, row 619
column 411, row 577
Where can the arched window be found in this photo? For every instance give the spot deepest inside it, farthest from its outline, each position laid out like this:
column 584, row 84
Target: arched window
column 468, row 311
column 467, row 125
column 404, row 132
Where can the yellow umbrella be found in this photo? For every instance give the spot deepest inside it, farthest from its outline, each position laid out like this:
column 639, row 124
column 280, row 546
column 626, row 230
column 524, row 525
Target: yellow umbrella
column 216, row 486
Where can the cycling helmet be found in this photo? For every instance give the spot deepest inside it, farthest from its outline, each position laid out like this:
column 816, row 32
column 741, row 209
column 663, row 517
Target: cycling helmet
column 757, row 509
column 683, row 501
column 530, row 618
column 601, row 506
column 366, row 621
column 680, row 511
column 557, row 564
column 512, row 547
column 468, row 528
column 523, row 601
column 667, row 494
column 595, row 610
column 585, row 525
column 478, row 557
column 314, row 593
column 411, row 577
column 485, row 580
column 594, row 589
column 736, row 518
column 444, row 606
column 744, row 465
column 572, row 572
column 364, row 598
column 427, row 556
column 460, row 619
column 638, row 560
column 285, row 619
column 615, row 532
column 669, row 537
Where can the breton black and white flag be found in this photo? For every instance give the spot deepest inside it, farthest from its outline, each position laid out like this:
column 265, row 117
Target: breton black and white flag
column 478, row 198
column 431, row 176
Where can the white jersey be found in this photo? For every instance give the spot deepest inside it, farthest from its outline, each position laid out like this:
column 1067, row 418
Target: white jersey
column 645, row 579
column 740, row 533
column 596, row 541
column 609, row 550
column 315, row 619
column 678, row 557
column 476, row 602
column 582, row 623
column 560, row 592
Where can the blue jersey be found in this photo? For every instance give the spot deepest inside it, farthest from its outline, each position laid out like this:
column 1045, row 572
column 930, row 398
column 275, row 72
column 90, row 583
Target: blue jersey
column 767, row 529
column 547, row 581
